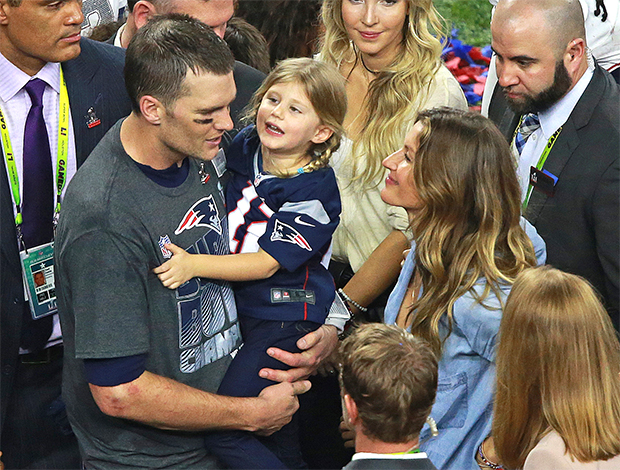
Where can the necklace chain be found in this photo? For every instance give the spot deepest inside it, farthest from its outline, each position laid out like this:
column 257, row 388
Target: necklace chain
column 374, row 72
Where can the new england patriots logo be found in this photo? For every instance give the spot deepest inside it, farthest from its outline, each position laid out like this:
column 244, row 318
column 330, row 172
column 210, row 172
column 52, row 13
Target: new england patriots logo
column 202, row 214
column 285, row 233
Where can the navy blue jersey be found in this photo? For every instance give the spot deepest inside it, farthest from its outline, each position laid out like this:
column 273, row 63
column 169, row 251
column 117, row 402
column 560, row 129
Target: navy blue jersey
column 293, row 219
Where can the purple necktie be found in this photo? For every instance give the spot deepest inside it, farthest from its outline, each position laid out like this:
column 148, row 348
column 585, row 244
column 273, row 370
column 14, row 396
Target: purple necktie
column 38, row 202
column 38, row 193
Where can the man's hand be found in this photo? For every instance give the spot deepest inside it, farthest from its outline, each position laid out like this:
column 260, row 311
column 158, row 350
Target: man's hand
column 279, row 403
column 348, row 435
column 316, row 346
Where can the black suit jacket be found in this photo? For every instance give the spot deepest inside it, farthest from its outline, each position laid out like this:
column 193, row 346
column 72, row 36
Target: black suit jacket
column 580, row 223
column 94, row 79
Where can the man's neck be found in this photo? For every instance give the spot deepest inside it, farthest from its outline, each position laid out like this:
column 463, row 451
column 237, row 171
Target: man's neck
column 364, row 443
column 578, row 74
column 27, row 64
column 139, row 139
column 128, row 31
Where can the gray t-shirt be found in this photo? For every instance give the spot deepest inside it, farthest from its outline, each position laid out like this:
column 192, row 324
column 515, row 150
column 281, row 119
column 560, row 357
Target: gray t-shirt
column 111, row 304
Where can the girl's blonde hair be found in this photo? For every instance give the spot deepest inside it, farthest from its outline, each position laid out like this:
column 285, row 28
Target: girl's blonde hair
column 325, row 89
column 467, row 224
column 397, row 92
column 558, row 361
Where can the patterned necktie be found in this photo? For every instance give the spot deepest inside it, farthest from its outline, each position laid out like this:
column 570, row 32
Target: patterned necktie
column 38, row 205
column 529, row 124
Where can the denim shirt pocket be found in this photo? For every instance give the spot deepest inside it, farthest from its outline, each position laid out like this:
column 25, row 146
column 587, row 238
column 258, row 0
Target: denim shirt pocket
column 450, row 409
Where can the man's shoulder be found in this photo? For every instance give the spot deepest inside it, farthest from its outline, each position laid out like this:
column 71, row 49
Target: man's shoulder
column 97, row 53
column 391, row 464
column 98, row 170
column 247, row 75
column 600, row 102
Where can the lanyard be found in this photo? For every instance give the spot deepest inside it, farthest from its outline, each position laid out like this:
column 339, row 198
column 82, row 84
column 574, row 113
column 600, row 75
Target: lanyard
column 410, row 451
column 61, row 161
column 541, row 160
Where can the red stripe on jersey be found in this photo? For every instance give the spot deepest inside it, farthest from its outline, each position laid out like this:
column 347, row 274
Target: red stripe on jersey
column 306, row 303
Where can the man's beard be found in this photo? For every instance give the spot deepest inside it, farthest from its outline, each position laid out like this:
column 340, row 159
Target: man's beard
column 546, row 98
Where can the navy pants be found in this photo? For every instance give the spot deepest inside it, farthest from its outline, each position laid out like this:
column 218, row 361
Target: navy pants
column 243, row 450
column 36, row 433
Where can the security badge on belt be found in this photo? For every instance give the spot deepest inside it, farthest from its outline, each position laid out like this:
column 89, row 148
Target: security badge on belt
column 38, row 269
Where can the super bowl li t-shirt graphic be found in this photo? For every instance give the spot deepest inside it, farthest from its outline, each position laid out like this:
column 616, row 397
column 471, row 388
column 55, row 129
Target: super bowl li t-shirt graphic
column 208, row 327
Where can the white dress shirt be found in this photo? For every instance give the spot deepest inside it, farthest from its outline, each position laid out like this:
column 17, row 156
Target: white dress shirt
column 15, row 104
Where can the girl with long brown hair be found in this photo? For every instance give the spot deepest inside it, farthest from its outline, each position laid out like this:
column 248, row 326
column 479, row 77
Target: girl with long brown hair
column 557, row 403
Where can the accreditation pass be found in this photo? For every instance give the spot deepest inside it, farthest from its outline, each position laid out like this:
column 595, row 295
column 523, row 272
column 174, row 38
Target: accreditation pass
column 38, row 269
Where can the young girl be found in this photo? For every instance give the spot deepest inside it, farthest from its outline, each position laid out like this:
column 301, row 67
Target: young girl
column 557, row 404
column 283, row 207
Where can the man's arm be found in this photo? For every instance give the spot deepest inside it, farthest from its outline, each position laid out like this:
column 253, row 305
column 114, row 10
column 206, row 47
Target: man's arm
column 605, row 208
column 167, row 404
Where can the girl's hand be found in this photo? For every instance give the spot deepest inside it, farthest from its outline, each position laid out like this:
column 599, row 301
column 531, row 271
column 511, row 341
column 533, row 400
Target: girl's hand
column 177, row 270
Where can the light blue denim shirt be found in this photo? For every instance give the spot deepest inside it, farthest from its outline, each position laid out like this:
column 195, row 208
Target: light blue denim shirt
column 464, row 404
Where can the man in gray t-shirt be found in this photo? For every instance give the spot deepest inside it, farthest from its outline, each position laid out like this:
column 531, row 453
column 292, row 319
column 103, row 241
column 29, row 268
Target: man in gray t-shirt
column 142, row 362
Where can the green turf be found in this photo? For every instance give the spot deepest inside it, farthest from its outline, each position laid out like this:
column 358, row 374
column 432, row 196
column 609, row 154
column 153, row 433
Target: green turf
column 471, row 17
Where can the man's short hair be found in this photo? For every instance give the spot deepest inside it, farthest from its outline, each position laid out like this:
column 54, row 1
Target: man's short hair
column 391, row 376
column 161, row 53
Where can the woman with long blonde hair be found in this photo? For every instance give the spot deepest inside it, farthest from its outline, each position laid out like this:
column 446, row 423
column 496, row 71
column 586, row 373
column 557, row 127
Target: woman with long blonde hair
column 557, row 403
column 456, row 179
column 389, row 51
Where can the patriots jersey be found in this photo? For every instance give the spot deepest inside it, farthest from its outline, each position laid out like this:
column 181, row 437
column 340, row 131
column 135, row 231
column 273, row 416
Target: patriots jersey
column 293, row 219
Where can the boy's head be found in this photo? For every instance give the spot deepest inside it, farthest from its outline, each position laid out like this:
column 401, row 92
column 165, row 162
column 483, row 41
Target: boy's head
column 388, row 380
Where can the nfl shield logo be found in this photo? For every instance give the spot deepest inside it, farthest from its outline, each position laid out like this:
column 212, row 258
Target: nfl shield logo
column 165, row 251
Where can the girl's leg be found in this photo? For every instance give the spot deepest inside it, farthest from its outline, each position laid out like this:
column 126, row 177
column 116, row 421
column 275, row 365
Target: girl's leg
column 239, row 449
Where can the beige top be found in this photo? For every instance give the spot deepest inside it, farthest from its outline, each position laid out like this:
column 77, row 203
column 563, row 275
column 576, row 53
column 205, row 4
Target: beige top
column 550, row 454
column 366, row 220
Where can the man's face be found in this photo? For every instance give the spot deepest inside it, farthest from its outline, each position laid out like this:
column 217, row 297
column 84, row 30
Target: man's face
column 214, row 13
column 194, row 124
column 531, row 75
column 40, row 31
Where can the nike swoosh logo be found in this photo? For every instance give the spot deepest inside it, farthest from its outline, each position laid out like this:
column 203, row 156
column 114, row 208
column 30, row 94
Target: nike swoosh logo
column 301, row 222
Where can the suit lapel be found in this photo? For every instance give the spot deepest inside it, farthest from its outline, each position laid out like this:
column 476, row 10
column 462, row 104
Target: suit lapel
column 7, row 221
column 499, row 112
column 556, row 161
column 568, row 140
column 79, row 74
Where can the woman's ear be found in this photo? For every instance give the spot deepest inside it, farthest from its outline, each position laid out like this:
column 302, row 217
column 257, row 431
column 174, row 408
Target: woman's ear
column 322, row 134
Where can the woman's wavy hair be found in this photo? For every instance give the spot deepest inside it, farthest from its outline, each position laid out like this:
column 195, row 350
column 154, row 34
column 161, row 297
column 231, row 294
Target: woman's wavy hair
column 558, row 366
column 467, row 225
column 325, row 88
column 395, row 95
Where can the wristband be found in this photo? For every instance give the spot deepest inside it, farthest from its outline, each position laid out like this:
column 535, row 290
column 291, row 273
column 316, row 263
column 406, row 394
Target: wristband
column 351, row 301
column 488, row 463
column 339, row 314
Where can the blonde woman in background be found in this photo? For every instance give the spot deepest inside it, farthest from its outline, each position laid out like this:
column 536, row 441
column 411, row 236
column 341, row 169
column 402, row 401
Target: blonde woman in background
column 389, row 51
column 557, row 403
